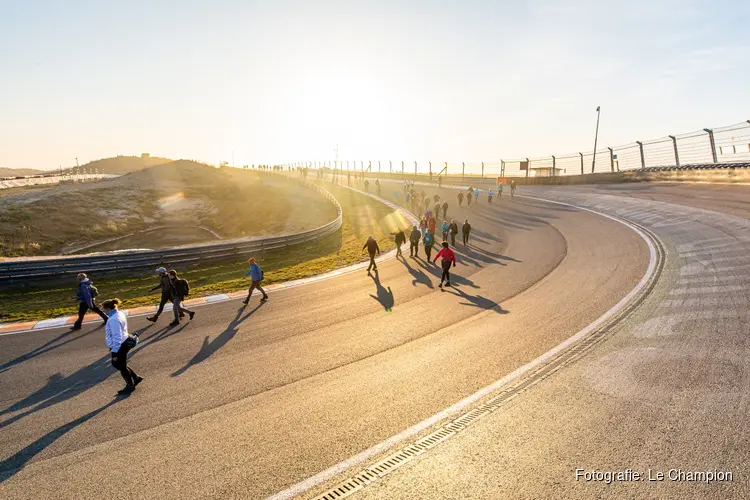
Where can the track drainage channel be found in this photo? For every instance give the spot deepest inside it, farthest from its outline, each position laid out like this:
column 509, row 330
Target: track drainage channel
column 566, row 357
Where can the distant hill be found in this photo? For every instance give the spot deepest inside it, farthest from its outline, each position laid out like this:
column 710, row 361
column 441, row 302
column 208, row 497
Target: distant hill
column 122, row 164
column 18, row 172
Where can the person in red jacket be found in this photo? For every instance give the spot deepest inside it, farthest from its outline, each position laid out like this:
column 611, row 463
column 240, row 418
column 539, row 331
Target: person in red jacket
column 448, row 258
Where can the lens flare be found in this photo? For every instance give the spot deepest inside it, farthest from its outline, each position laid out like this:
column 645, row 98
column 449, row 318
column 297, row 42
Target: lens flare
column 171, row 200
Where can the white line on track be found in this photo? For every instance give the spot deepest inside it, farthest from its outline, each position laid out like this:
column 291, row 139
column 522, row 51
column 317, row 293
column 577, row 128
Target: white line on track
column 412, row 431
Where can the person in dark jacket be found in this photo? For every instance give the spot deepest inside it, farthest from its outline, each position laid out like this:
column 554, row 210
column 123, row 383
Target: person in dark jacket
column 256, row 276
column 85, row 294
column 165, row 285
column 466, row 229
column 445, row 210
column 447, row 258
column 400, row 239
column 453, row 229
column 372, row 248
column 469, row 196
column 414, row 238
column 460, row 198
column 180, row 290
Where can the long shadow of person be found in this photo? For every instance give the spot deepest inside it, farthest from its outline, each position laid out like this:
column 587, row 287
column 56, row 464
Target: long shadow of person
column 477, row 301
column 384, row 296
column 11, row 465
column 60, row 388
column 45, row 348
column 419, row 275
column 208, row 348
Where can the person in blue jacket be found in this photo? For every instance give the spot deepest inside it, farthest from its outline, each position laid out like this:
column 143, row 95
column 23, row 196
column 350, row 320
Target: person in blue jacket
column 256, row 276
column 429, row 240
column 445, row 228
column 86, row 295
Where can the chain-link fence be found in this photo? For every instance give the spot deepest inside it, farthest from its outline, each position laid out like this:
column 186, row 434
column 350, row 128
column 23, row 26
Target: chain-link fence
column 730, row 144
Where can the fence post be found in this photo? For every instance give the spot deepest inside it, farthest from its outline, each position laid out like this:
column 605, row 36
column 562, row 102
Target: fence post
column 713, row 143
column 528, row 163
column 554, row 165
column 676, row 154
column 581, row 162
column 611, row 160
column 643, row 159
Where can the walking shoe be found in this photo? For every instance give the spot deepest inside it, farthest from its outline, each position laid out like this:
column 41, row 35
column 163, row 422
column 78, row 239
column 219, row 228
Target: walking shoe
column 440, row 285
column 126, row 390
column 447, row 283
column 75, row 327
column 174, row 323
column 245, row 301
column 264, row 298
column 137, row 380
column 152, row 318
column 191, row 313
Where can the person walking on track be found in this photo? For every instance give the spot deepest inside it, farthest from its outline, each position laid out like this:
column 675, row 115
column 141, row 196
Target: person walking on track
column 512, row 188
column 447, row 258
column 445, row 210
column 372, row 248
column 469, row 196
column 414, row 238
column 460, row 198
column 489, row 195
column 256, row 276
column 466, row 229
column 120, row 343
column 86, row 294
column 429, row 240
column 445, row 228
column 453, row 230
column 167, row 294
column 180, row 290
column 499, row 191
column 400, row 239
column 437, row 208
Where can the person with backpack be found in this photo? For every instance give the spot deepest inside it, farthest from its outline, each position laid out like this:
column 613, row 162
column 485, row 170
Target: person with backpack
column 460, row 198
column 120, row 343
column 400, row 239
column 167, row 295
column 372, row 247
column 414, row 238
column 180, row 290
column 466, row 229
column 445, row 210
column 256, row 276
column 453, row 230
column 445, row 227
column 447, row 258
column 86, row 294
column 489, row 195
column 429, row 240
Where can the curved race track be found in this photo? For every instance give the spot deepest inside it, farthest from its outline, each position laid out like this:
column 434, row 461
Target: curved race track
column 246, row 402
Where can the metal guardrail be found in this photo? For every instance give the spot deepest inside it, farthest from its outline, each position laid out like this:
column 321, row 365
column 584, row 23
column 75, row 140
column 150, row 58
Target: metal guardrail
column 27, row 270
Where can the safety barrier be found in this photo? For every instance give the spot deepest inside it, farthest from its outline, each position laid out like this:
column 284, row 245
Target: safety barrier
column 35, row 269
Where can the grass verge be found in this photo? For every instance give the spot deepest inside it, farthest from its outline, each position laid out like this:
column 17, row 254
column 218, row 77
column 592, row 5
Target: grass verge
column 363, row 216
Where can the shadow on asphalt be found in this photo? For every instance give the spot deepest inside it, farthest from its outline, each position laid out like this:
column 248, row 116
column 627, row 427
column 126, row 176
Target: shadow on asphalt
column 418, row 275
column 67, row 337
column 209, row 348
column 475, row 300
column 60, row 388
column 384, row 295
column 11, row 465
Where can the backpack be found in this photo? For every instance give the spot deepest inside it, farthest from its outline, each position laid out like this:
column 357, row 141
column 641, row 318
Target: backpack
column 93, row 291
column 182, row 286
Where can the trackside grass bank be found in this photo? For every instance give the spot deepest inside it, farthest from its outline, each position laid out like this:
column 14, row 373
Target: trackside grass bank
column 363, row 216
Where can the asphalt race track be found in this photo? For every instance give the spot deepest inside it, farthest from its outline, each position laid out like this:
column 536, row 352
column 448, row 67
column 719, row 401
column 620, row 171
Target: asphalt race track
column 247, row 402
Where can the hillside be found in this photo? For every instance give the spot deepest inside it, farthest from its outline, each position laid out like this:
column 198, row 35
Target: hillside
column 19, row 172
column 122, row 164
column 231, row 202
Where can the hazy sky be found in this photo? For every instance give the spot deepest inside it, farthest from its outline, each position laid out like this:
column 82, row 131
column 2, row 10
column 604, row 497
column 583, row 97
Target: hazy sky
column 280, row 81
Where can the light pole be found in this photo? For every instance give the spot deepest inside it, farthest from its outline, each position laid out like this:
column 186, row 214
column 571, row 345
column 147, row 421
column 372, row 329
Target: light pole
column 596, row 137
